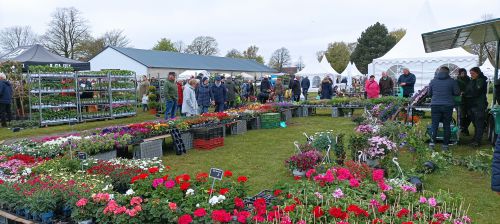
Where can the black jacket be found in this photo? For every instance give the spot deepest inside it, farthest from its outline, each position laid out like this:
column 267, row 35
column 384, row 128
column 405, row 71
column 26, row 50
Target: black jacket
column 5, row 92
column 305, row 83
column 265, row 86
column 410, row 80
column 443, row 89
column 475, row 93
column 295, row 87
column 326, row 90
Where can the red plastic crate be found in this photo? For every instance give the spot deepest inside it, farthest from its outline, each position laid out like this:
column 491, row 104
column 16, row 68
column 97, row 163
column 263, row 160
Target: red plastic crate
column 208, row 144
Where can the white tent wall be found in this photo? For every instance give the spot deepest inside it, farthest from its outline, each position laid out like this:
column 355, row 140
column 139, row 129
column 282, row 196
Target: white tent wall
column 423, row 70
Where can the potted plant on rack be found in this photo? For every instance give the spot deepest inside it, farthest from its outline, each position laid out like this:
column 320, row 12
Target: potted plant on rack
column 152, row 100
column 84, row 211
column 46, row 203
column 304, row 161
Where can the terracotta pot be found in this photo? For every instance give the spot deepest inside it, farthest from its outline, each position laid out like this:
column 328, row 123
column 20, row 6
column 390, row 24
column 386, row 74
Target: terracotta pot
column 152, row 111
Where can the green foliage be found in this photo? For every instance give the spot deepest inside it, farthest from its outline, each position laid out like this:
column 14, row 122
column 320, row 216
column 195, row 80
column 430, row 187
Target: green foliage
column 374, row 42
column 233, row 53
column 480, row 161
column 338, row 55
column 165, row 44
column 357, row 143
column 48, row 69
column 12, row 74
column 398, row 34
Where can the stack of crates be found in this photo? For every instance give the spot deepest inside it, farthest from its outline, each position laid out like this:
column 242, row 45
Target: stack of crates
column 208, row 138
column 270, row 120
column 239, row 128
column 149, row 149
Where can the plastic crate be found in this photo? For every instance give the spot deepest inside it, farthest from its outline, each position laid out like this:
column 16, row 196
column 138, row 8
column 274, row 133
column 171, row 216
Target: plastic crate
column 286, row 115
column 208, row 132
column 335, row 112
column 239, row 128
column 208, row 144
column 254, row 123
column 187, row 138
column 301, row 112
column 149, row 149
column 105, row 155
column 496, row 115
column 270, row 117
column 440, row 133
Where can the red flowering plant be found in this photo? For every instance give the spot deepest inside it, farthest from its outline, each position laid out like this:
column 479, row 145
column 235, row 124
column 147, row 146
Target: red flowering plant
column 304, row 161
column 358, row 194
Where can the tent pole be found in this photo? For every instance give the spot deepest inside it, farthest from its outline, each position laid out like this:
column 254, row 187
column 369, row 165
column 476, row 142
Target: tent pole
column 495, row 77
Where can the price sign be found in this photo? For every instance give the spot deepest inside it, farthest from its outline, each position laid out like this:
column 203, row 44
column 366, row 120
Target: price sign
column 82, row 155
column 216, row 173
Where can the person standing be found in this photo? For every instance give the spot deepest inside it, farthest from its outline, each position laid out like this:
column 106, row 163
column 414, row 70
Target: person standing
column 189, row 102
column 476, row 103
column 279, row 89
column 5, row 100
column 305, row 83
column 171, row 96
column 231, row 92
column 326, row 90
column 180, row 94
column 442, row 90
column 295, row 87
column 463, row 80
column 407, row 81
column 219, row 93
column 372, row 88
column 143, row 85
column 145, row 101
column 495, row 168
column 204, row 96
column 386, row 85
column 265, row 90
column 244, row 91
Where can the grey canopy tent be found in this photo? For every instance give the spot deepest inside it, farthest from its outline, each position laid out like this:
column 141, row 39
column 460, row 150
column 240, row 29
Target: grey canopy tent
column 38, row 55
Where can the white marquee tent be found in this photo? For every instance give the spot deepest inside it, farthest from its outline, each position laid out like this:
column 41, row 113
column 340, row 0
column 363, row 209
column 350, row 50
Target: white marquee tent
column 351, row 71
column 315, row 71
column 488, row 69
column 326, row 64
column 192, row 73
column 409, row 53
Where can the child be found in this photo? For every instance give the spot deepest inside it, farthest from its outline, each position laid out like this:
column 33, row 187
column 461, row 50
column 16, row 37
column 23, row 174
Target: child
column 145, row 102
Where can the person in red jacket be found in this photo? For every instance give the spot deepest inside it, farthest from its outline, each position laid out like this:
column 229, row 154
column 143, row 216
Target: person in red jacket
column 179, row 93
column 371, row 87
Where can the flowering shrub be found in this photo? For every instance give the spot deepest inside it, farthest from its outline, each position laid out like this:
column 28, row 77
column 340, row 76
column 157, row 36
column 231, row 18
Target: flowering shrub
column 304, row 161
column 364, row 129
column 379, row 147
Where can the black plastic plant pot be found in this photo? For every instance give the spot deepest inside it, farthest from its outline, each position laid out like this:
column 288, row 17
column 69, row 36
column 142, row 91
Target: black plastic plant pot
column 416, row 182
column 430, row 166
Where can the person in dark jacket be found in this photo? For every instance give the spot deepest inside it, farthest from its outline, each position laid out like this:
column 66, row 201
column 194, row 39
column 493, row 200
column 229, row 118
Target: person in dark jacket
column 265, row 90
column 326, row 90
column 5, row 100
column 219, row 93
column 231, row 92
column 463, row 80
column 476, row 103
column 442, row 90
column 295, row 87
column 386, row 85
column 205, row 96
column 305, row 84
column 407, row 81
column 495, row 168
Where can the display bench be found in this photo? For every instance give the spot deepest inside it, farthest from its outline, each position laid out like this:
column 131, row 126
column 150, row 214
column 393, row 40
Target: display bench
column 60, row 98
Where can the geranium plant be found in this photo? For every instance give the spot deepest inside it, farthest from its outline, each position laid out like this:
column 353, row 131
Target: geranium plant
column 304, row 161
column 379, row 147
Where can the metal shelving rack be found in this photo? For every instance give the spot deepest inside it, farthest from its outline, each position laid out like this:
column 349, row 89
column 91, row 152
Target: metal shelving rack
column 108, row 92
column 39, row 87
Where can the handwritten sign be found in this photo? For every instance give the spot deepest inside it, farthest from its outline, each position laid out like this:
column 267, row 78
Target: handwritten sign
column 216, row 173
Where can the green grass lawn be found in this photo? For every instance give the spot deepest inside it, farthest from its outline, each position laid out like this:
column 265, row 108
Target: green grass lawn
column 260, row 155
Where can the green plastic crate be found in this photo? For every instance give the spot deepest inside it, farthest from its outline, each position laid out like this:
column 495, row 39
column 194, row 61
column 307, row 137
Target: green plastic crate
column 440, row 134
column 496, row 115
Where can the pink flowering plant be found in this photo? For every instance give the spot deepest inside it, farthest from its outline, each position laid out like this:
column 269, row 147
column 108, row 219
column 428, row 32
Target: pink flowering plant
column 304, row 161
column 379, row 147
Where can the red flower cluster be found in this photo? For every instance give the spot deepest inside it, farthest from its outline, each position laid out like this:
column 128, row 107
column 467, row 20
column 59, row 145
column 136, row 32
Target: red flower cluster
column 182, row 178
column 228, row 173
column 185, row 219
column 141, row 176
column 153, row 170
column 357, row 210
column 200, row 212
column 260, row 206
column 317, row 212
column 202, row 177
column 238, row 203
column 403, row 212
column 221, row 216
column 338, row 213
column 242, row 179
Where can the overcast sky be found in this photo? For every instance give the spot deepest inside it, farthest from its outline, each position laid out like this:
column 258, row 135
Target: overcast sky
column 302, row 26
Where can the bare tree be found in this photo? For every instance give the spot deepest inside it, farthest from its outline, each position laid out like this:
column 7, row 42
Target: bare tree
column 115, row 38
column 280, row 58
column 319, row 55
column 203, row 45
column 179, row 46
column 66, row 30
column 300, row 64
column 89, row 48
column 15, row 36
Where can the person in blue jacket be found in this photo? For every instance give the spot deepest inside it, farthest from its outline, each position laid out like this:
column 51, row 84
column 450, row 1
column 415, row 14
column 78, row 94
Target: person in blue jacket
column 495, row 168
column 5, row 100
column 204, row 96
column 219, row 93
column 407, row 81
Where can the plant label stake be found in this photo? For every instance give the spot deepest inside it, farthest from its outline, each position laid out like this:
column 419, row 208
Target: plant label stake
column 215, row 174
column 308, row 138
column 82, row 156
column 297, row 146
column 395, row 161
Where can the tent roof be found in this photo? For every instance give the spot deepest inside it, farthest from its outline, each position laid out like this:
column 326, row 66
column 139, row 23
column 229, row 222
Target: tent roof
column 459, row 36
column 326, row 64
column 488, row 69
column 38, row 55
column 315, row 68
column 410, row 47
column 166, row 59
column 351, row 71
